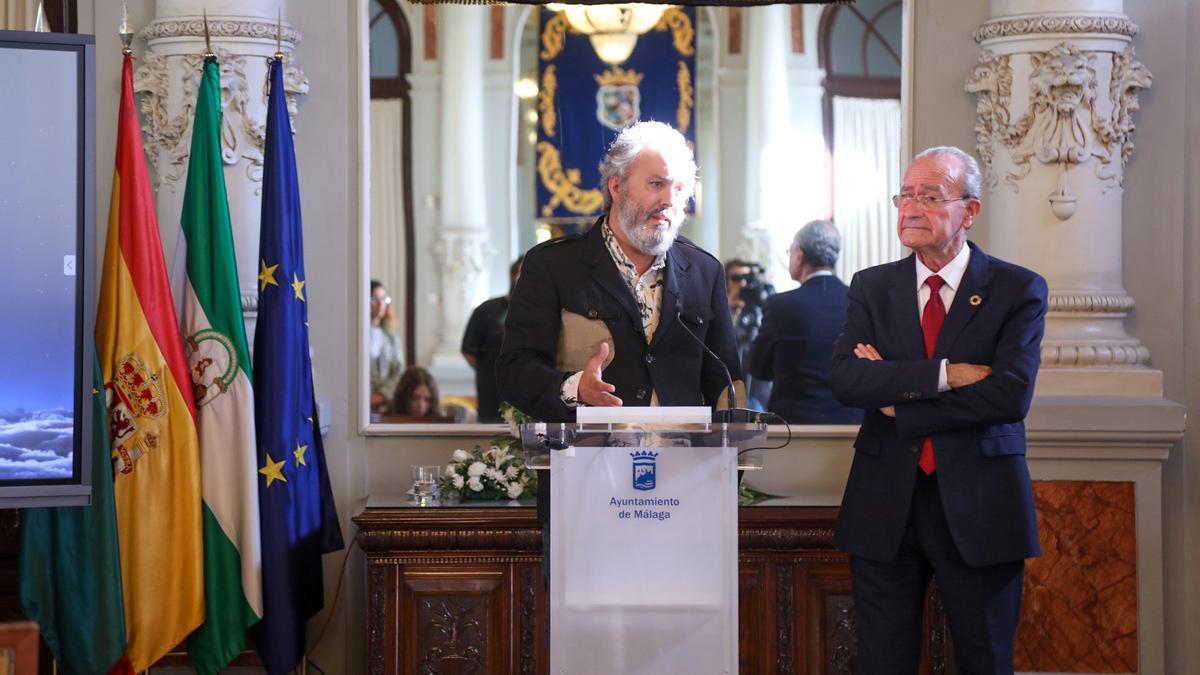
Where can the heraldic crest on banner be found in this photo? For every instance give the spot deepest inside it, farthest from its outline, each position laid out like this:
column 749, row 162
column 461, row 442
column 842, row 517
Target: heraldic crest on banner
column 584, row 102
column 136, row 402
column 213, row 362
column 618, row 100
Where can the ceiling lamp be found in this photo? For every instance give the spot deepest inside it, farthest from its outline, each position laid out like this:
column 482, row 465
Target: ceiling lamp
column 613, row 29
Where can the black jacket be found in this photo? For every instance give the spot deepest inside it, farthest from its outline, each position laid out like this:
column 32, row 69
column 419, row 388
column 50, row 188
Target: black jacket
column 573, row 282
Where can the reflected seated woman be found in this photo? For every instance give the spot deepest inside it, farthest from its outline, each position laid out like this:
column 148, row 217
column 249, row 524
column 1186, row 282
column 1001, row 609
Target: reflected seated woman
column 415, row 400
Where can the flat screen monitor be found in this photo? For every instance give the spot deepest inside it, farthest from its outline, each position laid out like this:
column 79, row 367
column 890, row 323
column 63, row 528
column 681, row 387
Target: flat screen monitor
column 47, row 267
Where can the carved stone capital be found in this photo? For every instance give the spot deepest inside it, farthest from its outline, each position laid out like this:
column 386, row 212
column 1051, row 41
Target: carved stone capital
column 463, row 251
column 1062, row 126
column 243, row 124
column 1038, row 25
column 755, row 244
column 220, row 28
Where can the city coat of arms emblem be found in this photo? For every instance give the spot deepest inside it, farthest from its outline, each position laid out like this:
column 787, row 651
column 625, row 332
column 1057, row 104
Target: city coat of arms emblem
column 618, row 100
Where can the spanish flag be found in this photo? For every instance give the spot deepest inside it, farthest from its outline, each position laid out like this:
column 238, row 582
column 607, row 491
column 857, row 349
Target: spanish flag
column 151, row 414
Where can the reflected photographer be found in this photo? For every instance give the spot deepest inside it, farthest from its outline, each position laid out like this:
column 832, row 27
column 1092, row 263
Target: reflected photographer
column 747, row 291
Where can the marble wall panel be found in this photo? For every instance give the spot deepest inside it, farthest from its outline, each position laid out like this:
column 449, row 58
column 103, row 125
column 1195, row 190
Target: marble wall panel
column 1079, row 611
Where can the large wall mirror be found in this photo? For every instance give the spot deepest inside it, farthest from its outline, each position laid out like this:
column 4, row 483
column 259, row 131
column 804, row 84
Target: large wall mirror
column 797, row 112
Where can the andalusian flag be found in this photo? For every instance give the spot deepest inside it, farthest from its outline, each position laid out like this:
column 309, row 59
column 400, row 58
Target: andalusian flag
column 152, row 416
column 299, row 521
column 220, row 362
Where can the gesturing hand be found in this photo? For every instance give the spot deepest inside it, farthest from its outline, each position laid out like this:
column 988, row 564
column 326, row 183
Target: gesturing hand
column 593, row 390
column 869, row 353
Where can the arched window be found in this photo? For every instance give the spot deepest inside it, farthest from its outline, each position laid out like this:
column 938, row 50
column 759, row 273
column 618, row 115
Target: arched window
column 392, row 237
column 860, row 52
column 859, row 49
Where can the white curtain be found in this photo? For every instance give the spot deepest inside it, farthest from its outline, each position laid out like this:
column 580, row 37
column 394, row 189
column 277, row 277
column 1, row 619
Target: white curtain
column 866, row 172
column 387, row 199
column 17, row 14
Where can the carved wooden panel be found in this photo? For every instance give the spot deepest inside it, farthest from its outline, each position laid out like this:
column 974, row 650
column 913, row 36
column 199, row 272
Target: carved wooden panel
column 461, row 591
column 785, row 620
column 832, row 644
column 531, row 626
column 459, row 619
column 840, row 643
column 752, row 607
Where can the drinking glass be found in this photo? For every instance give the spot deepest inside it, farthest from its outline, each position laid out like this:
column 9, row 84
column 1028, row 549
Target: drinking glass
column 424, row 481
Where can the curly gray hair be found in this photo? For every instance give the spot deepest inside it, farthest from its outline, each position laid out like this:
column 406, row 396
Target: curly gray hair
column 642, row 136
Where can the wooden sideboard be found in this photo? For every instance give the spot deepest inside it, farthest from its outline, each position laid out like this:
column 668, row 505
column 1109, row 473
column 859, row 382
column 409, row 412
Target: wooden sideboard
column 458, row 589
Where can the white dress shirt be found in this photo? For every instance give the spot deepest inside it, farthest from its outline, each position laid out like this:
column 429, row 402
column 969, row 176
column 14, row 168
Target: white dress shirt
column 951, row 274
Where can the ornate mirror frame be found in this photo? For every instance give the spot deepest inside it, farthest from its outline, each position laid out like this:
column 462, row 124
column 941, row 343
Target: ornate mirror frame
column 362, row 92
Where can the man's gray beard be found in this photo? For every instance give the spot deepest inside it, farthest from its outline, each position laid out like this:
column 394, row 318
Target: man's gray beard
column 649, row 240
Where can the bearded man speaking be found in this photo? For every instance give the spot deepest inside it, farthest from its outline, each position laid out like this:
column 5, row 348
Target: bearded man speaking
column 603, row 318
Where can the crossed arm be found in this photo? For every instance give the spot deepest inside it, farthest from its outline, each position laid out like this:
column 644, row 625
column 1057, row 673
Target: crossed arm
column 957, row 374
column 979, row 394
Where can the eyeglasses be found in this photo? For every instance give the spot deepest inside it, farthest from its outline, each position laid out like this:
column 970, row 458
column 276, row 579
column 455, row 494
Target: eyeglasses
column 386, row 300
column 923, row 201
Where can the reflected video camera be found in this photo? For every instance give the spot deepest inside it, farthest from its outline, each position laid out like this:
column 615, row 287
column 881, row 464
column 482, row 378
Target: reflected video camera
column 754, row 294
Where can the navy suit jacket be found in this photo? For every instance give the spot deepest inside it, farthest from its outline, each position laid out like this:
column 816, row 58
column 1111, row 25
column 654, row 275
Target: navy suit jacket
column 575, row 275
column 793, row 350
column 978, row 431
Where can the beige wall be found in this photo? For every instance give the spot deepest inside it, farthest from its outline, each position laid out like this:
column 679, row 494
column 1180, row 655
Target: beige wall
column 1160, row 218
column 1160, row 245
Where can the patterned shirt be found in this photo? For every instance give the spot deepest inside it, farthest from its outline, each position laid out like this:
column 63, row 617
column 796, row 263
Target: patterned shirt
column 647, row 292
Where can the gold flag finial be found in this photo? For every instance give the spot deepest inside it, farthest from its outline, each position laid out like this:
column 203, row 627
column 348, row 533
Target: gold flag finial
column 125, row 32
column 208, row 52
column 279, row 35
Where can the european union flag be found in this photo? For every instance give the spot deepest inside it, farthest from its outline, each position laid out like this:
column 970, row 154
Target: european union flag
column 299, row 520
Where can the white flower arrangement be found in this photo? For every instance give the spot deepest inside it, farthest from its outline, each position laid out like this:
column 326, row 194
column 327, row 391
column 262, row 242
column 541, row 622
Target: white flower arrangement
column 495, row 473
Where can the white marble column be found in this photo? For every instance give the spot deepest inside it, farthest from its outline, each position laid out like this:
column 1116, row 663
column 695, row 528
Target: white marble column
column 768, row 126
column 1056, row 90
column 461, row 246
column 166, row 81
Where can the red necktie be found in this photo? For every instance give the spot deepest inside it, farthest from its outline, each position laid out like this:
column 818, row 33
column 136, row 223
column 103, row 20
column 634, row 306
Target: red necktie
column 931, row 324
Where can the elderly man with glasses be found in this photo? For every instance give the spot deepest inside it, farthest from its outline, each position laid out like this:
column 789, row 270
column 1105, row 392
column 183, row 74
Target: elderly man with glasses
column 941, row 349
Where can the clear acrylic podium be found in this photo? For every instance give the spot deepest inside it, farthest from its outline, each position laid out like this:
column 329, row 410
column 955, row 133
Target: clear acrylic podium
column 643, row 543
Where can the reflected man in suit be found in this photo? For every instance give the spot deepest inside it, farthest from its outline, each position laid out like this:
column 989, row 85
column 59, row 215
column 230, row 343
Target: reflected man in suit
column 628, row 312
column 941, row 349
column 798, row 331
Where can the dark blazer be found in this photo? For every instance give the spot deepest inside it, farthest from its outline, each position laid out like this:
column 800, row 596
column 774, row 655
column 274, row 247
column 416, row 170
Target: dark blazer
column 978, row 431
column 793, row 350
column 570, row 297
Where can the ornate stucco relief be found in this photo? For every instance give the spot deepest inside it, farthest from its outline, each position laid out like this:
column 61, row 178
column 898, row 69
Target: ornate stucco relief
column 1033, row 25
column 1062, row 126
column 1129, row 77
column 168, row 137
column 220, row 28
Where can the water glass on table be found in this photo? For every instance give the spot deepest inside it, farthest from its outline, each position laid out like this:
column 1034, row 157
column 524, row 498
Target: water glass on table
column 424, row 481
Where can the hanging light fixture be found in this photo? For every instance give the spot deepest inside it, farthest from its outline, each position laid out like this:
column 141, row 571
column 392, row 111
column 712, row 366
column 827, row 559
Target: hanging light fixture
column 612, row 29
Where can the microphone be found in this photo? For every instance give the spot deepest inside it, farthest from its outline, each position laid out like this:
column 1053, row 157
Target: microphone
column 733, row 413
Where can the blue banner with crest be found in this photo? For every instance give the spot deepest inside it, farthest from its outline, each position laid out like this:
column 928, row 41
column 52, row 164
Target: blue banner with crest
column 584, row 102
